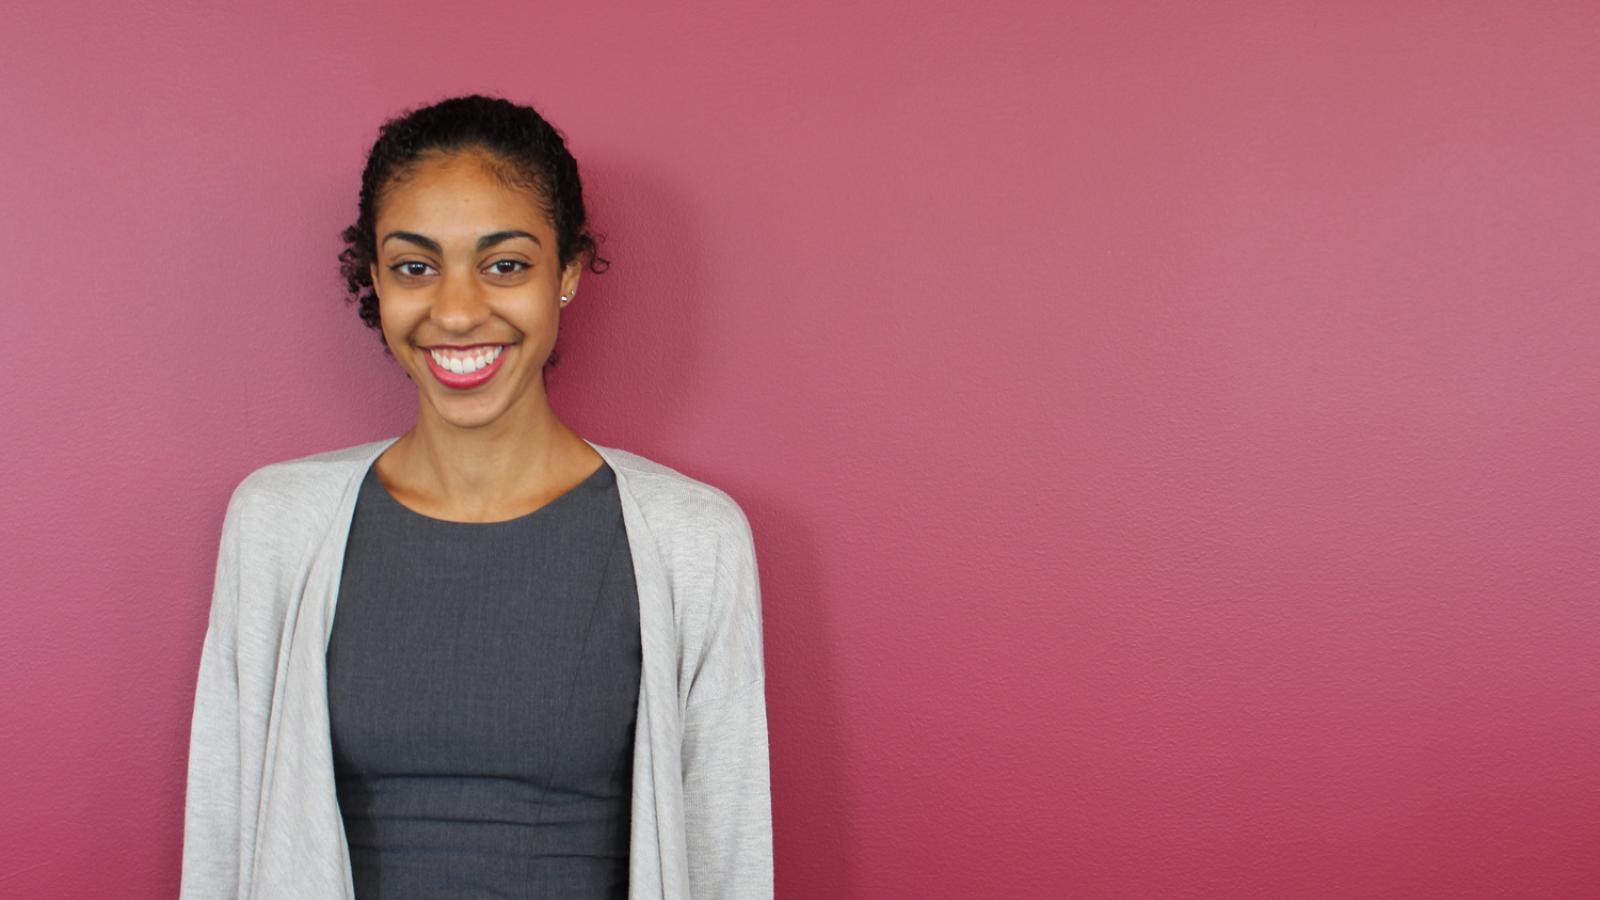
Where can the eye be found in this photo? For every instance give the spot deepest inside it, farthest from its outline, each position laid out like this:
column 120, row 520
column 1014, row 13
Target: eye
column 516, row 264
column 410, row 268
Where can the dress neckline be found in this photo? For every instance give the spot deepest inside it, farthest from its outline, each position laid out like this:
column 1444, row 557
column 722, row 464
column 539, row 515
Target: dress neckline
column 601, row 478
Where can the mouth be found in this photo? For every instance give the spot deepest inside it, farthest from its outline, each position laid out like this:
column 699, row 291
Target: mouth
column 463, row 369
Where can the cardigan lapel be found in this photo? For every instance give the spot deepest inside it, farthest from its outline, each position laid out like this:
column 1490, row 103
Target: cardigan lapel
column 658, row 845
column 301, row 836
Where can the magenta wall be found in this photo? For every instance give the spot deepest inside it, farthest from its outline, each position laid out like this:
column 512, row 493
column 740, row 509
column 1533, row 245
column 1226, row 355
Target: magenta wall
column 1170, row 435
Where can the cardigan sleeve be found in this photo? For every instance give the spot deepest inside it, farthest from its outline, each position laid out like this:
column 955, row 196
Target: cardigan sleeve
column 211, row 818
column 726, row 779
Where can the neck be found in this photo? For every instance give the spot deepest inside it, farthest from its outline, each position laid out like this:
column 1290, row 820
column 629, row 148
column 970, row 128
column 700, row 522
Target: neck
column 480, row 470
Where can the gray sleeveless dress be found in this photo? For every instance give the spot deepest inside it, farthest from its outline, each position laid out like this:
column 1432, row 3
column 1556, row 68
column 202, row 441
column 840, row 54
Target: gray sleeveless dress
column 483, row 680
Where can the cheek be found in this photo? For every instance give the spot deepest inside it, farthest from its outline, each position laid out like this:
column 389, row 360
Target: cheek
column 397, row 306
column 396, row 322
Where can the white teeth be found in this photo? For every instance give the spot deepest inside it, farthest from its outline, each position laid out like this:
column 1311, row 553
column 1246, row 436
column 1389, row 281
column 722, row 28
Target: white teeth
column 471, row 361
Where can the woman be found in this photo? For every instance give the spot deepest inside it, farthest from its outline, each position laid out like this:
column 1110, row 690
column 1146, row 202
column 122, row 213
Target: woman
column 544, row 677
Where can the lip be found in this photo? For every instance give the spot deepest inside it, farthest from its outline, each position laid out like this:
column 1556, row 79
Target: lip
column 467, row 381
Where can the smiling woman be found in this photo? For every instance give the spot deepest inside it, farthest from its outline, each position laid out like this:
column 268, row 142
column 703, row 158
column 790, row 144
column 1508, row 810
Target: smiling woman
column 487, row 656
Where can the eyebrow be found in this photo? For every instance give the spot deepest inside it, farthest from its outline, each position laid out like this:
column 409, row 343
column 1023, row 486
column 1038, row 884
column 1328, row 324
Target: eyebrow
column 488, row 240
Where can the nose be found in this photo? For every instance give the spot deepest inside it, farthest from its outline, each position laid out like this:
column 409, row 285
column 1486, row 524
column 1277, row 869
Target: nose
column 460, row 304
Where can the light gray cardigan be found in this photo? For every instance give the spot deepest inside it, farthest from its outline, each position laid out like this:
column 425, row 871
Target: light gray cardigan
column 261, row 817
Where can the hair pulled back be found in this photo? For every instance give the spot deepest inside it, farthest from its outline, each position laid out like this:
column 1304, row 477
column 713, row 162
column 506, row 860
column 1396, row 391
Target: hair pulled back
column 528, row 151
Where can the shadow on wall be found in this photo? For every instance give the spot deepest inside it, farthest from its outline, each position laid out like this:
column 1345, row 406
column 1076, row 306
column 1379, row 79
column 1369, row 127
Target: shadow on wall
column 633, row 361
column 631, row 355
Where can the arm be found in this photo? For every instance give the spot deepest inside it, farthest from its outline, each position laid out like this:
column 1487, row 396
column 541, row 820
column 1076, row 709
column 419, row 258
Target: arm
column 211, row 804
column 726, row 781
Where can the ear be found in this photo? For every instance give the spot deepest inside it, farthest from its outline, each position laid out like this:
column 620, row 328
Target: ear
column 372, row 273
column 570, row 276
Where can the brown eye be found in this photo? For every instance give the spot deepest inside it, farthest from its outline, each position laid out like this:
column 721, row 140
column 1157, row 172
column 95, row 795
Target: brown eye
column 410, row 267
column 496, row 266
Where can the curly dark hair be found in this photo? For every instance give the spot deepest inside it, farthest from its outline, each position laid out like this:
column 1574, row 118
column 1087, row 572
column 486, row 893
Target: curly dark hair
column 529, row 152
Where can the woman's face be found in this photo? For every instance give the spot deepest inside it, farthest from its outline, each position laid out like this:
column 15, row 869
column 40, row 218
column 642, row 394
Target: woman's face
column 469, row 289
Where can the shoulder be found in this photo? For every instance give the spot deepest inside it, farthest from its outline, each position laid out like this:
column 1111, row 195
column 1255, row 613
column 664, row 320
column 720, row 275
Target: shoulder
column 289, row 499
column 678, row 507
column 276, row 518
column 704, row 542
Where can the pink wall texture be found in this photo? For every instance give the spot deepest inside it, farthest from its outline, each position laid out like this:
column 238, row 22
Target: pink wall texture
column 1169, row 430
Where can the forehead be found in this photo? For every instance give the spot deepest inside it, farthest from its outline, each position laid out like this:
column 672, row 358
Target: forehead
column 464, row 193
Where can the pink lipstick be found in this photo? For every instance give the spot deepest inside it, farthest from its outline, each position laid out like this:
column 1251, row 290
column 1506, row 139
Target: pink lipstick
column 465, row 380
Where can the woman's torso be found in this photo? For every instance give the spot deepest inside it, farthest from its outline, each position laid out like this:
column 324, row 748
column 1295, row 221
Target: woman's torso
column 482, row 682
